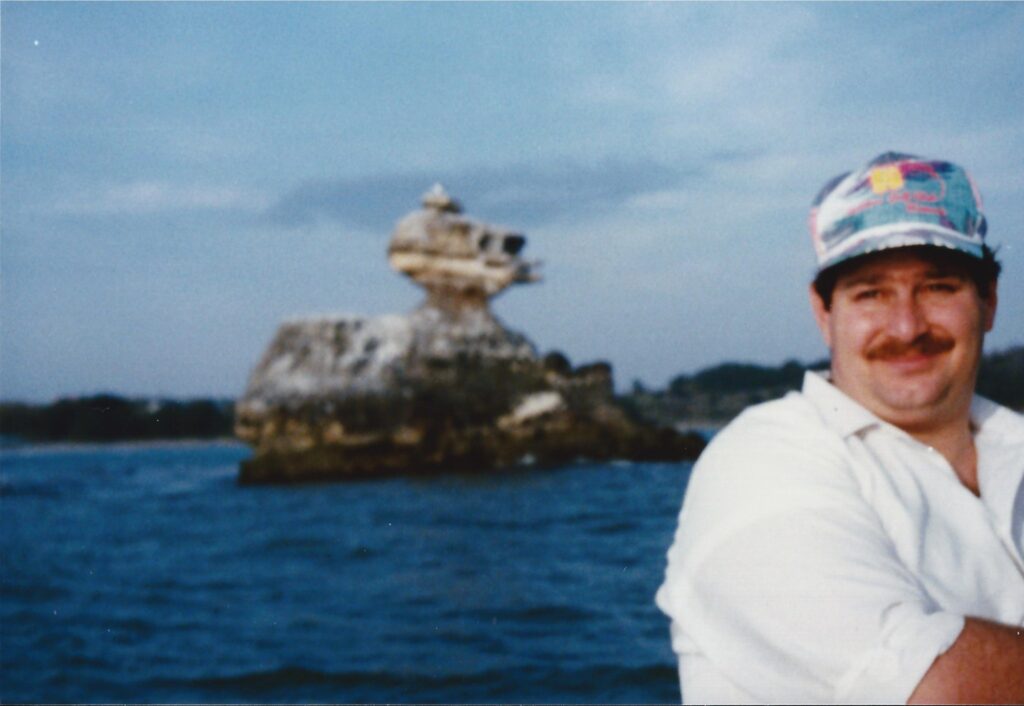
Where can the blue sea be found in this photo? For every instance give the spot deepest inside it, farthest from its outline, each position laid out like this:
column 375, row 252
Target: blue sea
column 145, row 573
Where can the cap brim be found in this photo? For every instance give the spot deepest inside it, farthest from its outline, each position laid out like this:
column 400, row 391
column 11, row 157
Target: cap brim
column 912, row 235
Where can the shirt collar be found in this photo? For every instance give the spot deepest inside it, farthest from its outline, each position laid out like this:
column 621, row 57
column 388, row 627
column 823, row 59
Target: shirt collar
column 840, row 412
column 1000, row 441
column 847, row 416
column 999, row 437
column 995, row 420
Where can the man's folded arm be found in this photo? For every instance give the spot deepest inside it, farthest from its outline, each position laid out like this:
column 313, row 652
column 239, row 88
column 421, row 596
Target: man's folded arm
column 984, row 665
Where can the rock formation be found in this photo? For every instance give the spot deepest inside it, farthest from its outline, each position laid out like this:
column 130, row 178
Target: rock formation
column 446, row 387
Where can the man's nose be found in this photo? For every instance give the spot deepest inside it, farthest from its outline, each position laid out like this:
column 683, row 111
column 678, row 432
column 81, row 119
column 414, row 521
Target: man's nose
column 907, row 318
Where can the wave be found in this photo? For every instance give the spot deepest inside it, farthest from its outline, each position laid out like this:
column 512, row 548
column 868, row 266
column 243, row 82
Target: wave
column 9, row 489
column 495, row 682
column 547, row 614
column 290, row 676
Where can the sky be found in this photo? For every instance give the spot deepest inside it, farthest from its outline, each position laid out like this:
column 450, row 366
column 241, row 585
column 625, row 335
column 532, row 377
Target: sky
column 178, row 178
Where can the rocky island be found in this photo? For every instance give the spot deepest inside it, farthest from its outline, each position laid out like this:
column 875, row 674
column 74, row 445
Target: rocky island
column 446, row 387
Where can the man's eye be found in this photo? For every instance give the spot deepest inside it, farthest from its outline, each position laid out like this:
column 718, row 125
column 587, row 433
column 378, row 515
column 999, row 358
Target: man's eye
column 943, row 287
column 867, row 294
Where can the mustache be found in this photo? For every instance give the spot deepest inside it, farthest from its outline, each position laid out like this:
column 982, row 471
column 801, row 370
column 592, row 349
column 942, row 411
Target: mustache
column 926, row 344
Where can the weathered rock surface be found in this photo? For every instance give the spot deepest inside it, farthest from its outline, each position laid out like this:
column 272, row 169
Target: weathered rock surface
column 446, row 387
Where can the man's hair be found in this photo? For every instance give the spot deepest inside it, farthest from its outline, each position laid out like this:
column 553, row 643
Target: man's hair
column 982, row 271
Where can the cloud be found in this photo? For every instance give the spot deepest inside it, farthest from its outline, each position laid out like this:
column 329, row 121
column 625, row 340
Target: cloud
column 522, row 195
column 149, row 197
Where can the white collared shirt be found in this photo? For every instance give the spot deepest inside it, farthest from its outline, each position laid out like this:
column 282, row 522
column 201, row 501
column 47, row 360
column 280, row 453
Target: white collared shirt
column 824, row 555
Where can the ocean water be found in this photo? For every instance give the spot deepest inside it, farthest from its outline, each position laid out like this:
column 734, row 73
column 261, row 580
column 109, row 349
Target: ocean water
column 146, row 574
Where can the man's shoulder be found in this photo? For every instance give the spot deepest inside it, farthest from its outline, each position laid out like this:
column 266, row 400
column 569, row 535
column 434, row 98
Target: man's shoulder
column 781, row 446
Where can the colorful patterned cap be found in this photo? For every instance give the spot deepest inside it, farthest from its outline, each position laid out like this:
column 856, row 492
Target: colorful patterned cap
column 897, row 200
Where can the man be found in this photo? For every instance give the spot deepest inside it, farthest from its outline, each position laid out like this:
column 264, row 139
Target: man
column 862, row 541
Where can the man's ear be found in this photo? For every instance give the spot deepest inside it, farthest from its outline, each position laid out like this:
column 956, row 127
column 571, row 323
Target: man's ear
column 822, row 316
column 989, row 305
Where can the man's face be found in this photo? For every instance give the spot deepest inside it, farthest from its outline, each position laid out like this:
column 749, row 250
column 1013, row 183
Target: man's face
column 906, row 335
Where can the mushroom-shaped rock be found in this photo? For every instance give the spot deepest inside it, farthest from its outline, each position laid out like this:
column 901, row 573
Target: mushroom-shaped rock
column 458, row 260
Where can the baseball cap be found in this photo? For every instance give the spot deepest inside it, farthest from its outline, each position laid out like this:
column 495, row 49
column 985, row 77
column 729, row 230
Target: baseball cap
column 897, row 200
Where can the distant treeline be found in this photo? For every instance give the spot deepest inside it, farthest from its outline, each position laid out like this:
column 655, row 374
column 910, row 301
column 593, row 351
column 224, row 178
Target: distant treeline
column 719, row 393
column 1001, row 377
column 113, row 418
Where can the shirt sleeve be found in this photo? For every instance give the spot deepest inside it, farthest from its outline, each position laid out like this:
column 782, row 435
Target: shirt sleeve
column 783, row 577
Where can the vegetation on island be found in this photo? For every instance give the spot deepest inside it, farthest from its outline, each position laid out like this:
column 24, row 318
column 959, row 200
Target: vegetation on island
column 709, row 397
column 1001, row 377
column 106, row 417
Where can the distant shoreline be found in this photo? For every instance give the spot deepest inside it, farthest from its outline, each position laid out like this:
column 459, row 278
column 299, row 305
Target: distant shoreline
column 698, row 425
column 128, row 444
